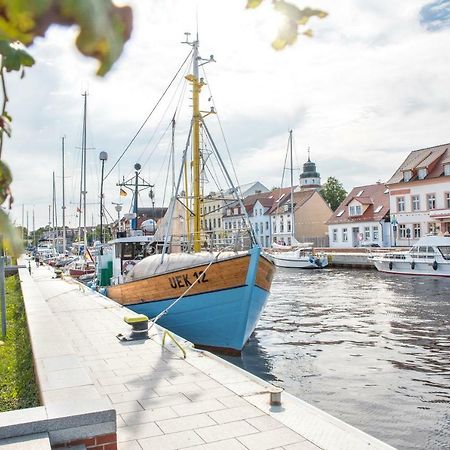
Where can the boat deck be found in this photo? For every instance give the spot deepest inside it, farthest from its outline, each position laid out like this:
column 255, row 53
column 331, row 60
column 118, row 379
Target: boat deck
column 162, row 400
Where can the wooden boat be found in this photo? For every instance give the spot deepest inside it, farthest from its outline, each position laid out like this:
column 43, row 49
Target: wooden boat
column 213, row 299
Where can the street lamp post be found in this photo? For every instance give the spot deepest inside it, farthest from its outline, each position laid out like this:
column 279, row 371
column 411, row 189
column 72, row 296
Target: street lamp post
column 103, row 157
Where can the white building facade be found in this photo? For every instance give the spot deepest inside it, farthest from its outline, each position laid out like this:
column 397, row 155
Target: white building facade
column 420, row 195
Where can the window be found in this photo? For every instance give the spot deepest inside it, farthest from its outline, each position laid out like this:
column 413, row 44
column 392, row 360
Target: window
column 402, row 231
column 379, row 208
column 360, row 193
column 415, row 200
column 344, row 235
column 288, row 241
column 339, row 214
column 209, row 209
column 400, row 204
column 447, row 170
column 407, row 175
column 422, row 173
column 445, row 252
column 375, row 233
column 416, row 230
column 261, row 228
column 335, row 233
column 289, row 226
column 355, row 210
column 256, row 228
column 431, row 201
column 432, row 228
column 367, row 233
column 218, row 222
column 274, row 227
column 281, row 226
column 267, row 225
column 256, row 212
column 447, row 199
column 214, row 223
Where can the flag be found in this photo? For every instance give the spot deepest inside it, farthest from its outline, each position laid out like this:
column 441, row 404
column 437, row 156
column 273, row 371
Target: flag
column 123, row 193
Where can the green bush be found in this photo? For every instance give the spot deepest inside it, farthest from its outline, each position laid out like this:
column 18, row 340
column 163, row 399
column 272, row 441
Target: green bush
column 18, row 388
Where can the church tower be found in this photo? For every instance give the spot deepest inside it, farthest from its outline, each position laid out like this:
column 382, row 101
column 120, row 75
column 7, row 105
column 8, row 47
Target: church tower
column 309, row 178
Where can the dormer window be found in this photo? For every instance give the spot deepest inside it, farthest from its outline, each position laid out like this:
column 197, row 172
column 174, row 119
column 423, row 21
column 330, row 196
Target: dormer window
column 355, row 210
column 422, row 173
column 407, row 175
column 360, row 193
column 447, row 169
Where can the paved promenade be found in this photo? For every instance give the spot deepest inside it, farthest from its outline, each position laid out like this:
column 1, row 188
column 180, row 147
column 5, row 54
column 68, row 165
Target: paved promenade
column 162, row 400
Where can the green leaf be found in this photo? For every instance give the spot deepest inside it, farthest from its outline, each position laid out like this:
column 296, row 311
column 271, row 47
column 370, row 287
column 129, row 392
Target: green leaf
column 5, row 125
column 104, row 27
column 14, row 56
column 11, row 239
column 5, row 181
column 251, row 4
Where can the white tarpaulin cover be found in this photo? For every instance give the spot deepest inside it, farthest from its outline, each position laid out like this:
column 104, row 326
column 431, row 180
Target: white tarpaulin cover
column 152, row 264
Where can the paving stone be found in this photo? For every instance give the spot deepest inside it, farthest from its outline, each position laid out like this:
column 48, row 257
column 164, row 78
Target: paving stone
column 304, row 445
column 233, row 400
column 61, row 362
column 65, row 378
column 140, row 431
column 126, row 407
column 197, row 407
column 171, row 441
column 129, row 445
column 166, row 400
column 181, row 388
column 185, row 423
column 150, row 415
column 270, row 439
column 227, row 444
column 233, row 414
column 226, row 431
column 265, row 423
column 120, row 397
column 112, row 389
column 218, row 393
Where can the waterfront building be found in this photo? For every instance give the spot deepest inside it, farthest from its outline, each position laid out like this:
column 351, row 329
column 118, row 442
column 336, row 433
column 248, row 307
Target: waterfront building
column 310, row 178
column 311, row 213
column 362, row 219
column 420, row 195
column 232, row 214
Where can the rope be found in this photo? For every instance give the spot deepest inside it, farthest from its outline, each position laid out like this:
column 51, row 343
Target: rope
column 165, row 311
column 148, row 117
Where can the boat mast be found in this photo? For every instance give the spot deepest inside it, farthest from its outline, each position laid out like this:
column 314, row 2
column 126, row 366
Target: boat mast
column 197, row 84
column 292, row 188
column 83, row 149
column 54, row 222
column 63, row 199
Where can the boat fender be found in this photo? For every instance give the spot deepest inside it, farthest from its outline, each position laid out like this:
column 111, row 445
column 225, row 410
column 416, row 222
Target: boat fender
column 435, row 265
column 311, row 259
column 318, row 262
column 390, row 265
column 413, row 265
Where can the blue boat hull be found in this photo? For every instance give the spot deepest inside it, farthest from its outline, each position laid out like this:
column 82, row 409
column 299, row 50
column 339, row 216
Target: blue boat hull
column 213, row 319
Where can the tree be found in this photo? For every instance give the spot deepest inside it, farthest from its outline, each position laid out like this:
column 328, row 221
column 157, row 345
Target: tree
column 333, row 192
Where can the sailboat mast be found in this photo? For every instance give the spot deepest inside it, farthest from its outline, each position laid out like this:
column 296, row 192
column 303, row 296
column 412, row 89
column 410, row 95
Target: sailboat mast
column 196, row 86
column 292, row 187
column 53, row 212
column 172, row 152
column 84, row 191
column 63, row 199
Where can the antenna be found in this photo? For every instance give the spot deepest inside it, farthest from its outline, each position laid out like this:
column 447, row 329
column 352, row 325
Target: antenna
column 309, row 148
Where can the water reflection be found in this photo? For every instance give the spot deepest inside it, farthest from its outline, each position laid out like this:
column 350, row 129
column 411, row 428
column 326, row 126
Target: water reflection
column 369, row 348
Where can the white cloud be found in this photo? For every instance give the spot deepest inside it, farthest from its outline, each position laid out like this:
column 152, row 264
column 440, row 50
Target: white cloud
column 368, row 88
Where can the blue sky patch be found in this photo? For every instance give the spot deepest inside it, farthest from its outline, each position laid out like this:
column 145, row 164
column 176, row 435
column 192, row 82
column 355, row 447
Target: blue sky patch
column 436, row 15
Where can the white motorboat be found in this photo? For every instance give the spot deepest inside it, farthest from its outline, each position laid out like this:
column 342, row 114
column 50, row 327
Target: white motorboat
column 300, row 258
column 430, row 256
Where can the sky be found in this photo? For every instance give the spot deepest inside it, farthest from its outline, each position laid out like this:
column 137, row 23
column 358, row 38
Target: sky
column 368, row 88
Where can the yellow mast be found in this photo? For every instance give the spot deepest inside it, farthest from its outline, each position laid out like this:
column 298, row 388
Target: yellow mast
column 197, row 84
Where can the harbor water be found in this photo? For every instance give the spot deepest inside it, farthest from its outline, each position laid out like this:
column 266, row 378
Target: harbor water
column 371, row 349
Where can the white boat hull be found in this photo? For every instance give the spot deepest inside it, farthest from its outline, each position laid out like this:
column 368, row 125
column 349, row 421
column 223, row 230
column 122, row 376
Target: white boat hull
column 405, row 268
column 293, row 262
